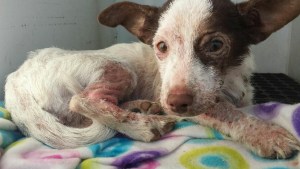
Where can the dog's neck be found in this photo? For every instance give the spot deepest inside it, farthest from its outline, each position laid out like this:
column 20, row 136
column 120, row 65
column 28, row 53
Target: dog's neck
column 145, row 63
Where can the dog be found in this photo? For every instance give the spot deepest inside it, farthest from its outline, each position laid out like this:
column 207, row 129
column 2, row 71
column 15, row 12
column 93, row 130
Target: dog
column 195, row 65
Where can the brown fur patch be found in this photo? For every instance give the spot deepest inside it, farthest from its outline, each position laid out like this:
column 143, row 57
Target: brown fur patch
column 227, row 24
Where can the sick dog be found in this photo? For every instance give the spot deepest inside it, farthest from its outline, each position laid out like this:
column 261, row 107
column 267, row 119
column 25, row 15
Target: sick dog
column 195, row 65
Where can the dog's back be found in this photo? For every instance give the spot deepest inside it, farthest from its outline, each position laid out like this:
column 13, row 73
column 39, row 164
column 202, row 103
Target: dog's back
column 39, row 92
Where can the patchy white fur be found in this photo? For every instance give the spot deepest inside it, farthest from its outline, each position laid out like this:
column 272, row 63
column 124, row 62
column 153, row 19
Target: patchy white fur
column 234, row 82
column 39, row 92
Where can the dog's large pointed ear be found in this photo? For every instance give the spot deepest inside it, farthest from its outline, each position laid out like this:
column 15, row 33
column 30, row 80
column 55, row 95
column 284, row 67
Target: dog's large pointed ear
column 264, row 17
column 140, row 20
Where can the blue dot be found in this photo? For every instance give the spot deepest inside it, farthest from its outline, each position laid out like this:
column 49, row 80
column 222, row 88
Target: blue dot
column 214, row 161
column 111, row 148
column 278, row 168
column 183, row 124
column 9, row 137
column 217, row 135
column 201, row 141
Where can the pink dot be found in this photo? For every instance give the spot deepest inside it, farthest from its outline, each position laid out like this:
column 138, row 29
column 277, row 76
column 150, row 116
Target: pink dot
column 53, row 157
column 150, row 165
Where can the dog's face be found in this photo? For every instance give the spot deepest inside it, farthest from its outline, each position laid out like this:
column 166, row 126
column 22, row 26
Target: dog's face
column 197, row 41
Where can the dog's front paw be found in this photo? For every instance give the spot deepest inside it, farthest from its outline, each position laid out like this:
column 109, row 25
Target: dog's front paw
column 143, row 106
column 270, row 141
column 150, row 128
column 160, row 127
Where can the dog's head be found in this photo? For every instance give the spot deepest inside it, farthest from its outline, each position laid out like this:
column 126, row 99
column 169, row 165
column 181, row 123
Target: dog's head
column 196, row 41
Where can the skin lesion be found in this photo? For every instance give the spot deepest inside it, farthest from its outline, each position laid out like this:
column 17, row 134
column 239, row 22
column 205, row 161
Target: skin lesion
column 113, row 86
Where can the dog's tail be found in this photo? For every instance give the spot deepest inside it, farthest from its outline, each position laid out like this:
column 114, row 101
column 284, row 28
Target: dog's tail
column 33, row 121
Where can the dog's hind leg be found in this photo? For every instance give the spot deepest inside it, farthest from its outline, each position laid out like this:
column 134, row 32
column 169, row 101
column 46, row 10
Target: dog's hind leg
column 137, row 126
column 100, row 100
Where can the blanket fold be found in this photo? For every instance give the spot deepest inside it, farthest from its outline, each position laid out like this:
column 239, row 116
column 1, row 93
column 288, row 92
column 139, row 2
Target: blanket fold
column 188, row 146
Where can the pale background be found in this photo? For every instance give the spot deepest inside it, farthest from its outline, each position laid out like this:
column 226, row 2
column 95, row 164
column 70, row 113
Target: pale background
column 71, row 24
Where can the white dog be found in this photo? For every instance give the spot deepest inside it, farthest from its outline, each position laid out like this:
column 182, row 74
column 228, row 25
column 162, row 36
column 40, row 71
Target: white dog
column 197, row 69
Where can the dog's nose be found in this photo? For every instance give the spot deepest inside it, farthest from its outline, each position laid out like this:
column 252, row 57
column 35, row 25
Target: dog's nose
column 179, row 102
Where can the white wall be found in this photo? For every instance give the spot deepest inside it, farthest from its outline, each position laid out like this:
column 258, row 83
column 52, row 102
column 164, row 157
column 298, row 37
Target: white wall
column 280, row 53
column 294, row 60
column 271, row 56
column 31, row 24
column 108, row 35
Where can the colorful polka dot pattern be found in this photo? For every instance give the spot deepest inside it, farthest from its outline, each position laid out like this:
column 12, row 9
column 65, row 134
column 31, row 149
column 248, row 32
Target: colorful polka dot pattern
column 4, row 114
column 213, row 134
column 111, row 148
column 8, row 135
column 211, row 157
column 267, row 111
column 90, row 164
column 135, row 159
column 189, row 146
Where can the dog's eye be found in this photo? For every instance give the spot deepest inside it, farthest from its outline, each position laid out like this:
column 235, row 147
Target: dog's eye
column 162, row 47
column 215, row 45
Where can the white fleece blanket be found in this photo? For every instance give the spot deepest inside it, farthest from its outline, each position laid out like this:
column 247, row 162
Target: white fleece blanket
column 188, row 146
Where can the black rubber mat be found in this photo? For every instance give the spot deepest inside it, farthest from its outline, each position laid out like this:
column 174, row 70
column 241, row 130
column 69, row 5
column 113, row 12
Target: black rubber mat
column 275, row 87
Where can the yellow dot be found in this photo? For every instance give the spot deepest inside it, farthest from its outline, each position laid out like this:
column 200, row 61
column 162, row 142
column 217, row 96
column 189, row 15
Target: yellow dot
column 16, row 143
column 213, row 157
column 89, row 164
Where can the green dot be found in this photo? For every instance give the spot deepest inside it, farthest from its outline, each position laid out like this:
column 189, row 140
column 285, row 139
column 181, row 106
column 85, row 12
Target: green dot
column 221, row 154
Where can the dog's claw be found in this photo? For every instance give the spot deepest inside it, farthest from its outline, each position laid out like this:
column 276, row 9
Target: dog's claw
column 158, row 133
column 273, row 142
column 154, row 129
column 295, row 146
column 280, row 152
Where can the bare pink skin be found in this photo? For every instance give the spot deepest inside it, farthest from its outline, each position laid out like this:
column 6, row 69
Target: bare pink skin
column 112, row 86
column 100, row 101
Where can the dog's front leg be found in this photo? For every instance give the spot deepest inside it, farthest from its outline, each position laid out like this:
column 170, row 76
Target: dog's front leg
column 264, row 138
